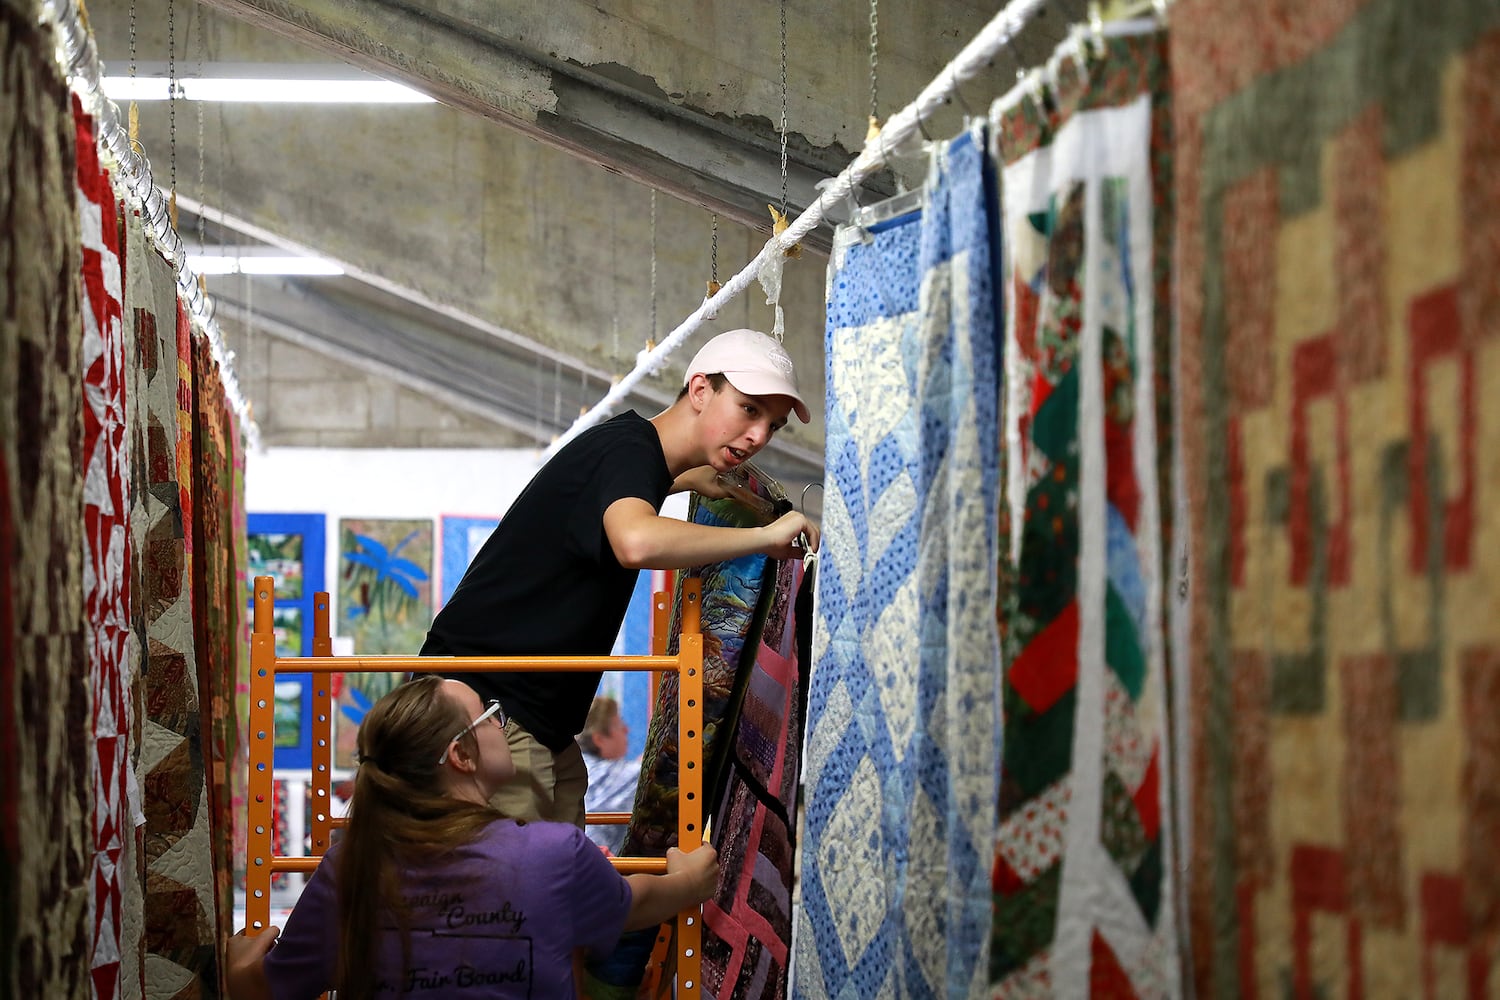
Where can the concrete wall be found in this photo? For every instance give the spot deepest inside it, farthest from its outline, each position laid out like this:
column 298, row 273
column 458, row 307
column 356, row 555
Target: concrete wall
column 310, row 399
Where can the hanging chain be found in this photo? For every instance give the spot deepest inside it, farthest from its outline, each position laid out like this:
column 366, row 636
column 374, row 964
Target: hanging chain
column 133, row 116
column 783, row 107
column 713, row 263
column 202, row 169
column 536, row 400
column 132, row 39
column 653, row 267
column 614, row 287
column 713, row 252
column 874, row 59
column 172, row 97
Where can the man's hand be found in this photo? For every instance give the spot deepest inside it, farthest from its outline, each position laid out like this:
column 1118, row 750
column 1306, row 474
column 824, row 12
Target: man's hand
column 700, row 869
column 244, row 970
column 791, row 536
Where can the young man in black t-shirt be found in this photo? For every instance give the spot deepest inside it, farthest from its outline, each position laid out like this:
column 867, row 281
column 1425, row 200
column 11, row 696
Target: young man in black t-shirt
column 555, row 577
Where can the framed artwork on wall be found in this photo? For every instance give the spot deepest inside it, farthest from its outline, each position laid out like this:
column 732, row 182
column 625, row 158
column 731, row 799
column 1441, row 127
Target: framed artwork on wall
column 384, row 607
column 289, row 548
column 463, row 536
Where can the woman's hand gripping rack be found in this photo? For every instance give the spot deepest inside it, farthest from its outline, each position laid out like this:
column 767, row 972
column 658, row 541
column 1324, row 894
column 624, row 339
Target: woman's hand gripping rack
column 265, row 665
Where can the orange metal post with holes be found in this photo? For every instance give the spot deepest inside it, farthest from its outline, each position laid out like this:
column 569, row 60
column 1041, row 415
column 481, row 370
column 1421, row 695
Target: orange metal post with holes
column 265, row 664
column 690, row 781
column 322, row 735
column 661, row 637
column 661, row 620
column 262, row 738
column 690, row 774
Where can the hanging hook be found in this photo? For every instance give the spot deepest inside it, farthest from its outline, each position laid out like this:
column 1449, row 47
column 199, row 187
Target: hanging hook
column 154, row 218
column 851, row 198
column 1096, row 29
column 922, row 126
column 1015, row 57
column 958, row 92
column 1080, row 50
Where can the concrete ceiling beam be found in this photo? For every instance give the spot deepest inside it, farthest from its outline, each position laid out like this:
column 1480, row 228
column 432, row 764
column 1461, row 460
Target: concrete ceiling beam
column 728, row 166
column 465, row 369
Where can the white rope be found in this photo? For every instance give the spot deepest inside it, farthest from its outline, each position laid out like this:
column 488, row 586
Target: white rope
column 901, row 126
column 80, row 61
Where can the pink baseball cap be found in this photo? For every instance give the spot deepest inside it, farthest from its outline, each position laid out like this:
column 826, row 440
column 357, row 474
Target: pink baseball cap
column 753, row 362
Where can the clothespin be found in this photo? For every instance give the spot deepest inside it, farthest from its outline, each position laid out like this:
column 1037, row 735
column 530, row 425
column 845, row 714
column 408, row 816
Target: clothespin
column 779, row 224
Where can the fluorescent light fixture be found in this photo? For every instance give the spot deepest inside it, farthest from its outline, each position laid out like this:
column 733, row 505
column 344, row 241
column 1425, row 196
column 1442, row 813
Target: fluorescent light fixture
column 261, row 264
column 268, row 83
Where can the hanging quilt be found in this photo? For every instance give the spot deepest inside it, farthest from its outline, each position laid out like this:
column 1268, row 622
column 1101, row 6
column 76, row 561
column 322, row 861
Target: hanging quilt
column 219, row 604
column 1082, row 892
column 1340, row 329
column 139, row 312
column 106, row 558
column 747, row 925
column 46, row 754
column 239, row 761
column 737, row 599
column 180, row 906
column 903, row 720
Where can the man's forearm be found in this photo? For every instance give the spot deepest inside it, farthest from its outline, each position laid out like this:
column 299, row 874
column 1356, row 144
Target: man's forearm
column 667, row 543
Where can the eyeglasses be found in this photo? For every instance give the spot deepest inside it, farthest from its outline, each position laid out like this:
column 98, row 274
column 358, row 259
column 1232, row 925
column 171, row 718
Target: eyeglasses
column 493, row 709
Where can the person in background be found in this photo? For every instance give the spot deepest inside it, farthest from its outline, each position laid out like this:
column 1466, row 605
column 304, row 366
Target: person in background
column 556, row 575
column 605, row 741
column 431, row 890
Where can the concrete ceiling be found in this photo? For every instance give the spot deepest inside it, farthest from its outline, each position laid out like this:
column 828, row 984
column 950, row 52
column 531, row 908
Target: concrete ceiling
column 507, row 237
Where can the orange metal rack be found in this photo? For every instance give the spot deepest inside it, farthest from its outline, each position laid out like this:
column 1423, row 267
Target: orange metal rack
column 265, row 665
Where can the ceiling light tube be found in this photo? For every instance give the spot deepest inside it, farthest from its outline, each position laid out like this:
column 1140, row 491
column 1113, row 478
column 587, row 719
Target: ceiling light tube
column 248, row 90
column 262, row 264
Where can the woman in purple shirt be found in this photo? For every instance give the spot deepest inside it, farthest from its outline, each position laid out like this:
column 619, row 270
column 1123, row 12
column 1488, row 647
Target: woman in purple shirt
column 432, row 892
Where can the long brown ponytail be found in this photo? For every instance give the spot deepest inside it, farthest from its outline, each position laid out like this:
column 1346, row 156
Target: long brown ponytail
column 398, row 816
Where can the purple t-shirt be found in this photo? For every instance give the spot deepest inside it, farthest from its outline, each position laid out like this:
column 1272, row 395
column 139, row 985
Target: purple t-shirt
column 499, row 917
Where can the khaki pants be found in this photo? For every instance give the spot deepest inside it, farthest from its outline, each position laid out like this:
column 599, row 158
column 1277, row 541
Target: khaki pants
column 546, row 785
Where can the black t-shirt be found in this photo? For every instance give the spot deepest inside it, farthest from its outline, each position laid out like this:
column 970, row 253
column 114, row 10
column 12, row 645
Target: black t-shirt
column 547, row 583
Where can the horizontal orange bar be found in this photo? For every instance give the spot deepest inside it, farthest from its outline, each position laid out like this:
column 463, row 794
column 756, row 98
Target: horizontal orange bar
column 597, row 819
column 469, row 664
column 626, row 866
column 607, row 819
